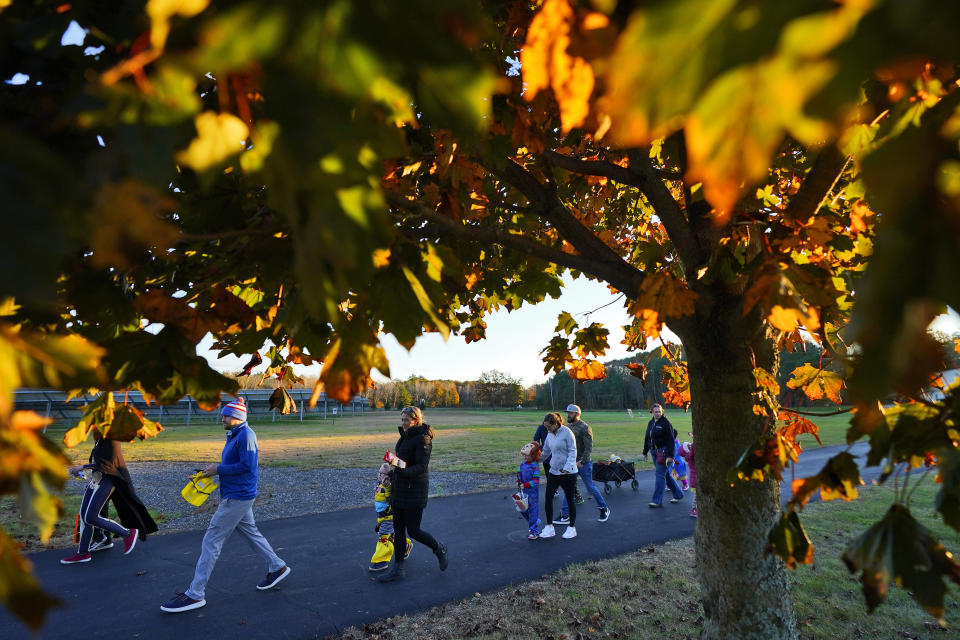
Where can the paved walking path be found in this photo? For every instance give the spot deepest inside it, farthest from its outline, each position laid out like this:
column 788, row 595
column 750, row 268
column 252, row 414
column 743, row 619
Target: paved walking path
column 329, row 588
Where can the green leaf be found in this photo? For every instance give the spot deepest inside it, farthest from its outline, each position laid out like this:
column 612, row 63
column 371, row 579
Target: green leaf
column 556, row 355
column 788, row 540
column 898, row 548
column 591, row 340
column 421, row 295
column 565, row 323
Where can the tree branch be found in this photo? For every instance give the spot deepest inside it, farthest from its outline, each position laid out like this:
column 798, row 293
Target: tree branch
column 607, row 264
column 642, row 175
column 823, row 175
column 619, row 278
column 669, row 211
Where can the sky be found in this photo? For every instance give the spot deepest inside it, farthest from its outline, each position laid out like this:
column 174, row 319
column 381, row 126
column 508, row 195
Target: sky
column 514, row 340
column 513, row 343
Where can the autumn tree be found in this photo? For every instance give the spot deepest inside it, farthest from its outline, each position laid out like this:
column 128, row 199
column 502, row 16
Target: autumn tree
column 314, row 175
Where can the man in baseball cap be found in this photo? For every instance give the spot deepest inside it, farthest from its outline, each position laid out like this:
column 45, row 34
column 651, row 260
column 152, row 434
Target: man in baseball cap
column 584, row 437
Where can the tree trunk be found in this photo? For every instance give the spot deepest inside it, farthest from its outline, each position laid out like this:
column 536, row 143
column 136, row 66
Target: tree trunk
column 745, row 592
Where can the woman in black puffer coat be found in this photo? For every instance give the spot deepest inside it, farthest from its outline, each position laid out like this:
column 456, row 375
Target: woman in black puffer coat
column 410, row 484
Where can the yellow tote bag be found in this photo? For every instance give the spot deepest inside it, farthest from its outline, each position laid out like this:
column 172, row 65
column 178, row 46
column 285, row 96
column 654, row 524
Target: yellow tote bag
column 198, row 489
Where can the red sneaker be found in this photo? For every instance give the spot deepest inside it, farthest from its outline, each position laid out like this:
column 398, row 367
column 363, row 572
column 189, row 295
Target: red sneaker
column 75, row 558
column 130, row 541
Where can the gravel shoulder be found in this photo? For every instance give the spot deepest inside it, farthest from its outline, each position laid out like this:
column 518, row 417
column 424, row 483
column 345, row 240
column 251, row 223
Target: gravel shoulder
column 283, row 491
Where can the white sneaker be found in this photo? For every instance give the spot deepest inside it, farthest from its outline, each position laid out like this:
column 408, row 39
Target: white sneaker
column 604, row 514
column 571, row 532
column 548, row 532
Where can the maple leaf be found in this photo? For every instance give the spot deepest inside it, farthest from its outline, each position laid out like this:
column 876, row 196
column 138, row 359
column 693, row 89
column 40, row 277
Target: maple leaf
column 788, row 318
column 591, row 340
column 584, row 369
column 556, row 355
column 547, row 63
column 677, row 383
column 795, row 425
column 219, row 136
column 817, row 382
column 255, row 360
column 788, row 540
column 662, row 296
column 638, row 370
column 159, row 307
column 900, row 549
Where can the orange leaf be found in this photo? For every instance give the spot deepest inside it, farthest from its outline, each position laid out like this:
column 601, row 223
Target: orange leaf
column 795, row 425
column 546, row 63
column 587, row 369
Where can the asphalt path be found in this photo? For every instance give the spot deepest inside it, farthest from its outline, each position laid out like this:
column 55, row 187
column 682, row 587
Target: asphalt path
column 329, row 588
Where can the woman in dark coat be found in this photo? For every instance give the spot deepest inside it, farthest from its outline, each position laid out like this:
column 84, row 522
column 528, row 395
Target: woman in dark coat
column 110, row 480
column 411, row 485
column 661, row 439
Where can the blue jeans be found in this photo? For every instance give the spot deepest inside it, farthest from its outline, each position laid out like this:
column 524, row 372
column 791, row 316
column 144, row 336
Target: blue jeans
column 664, row 479
column 586, row 474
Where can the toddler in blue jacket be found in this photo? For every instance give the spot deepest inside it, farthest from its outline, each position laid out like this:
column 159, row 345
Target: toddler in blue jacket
column 528, row 481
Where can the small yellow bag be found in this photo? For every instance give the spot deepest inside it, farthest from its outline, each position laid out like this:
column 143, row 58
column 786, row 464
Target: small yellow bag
column 198, row 489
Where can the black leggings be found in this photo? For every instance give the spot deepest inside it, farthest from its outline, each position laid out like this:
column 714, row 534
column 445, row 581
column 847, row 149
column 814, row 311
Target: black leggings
column 406, row 523
column 568, row 482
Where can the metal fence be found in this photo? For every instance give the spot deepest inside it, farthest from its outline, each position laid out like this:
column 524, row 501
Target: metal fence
column 53, row 404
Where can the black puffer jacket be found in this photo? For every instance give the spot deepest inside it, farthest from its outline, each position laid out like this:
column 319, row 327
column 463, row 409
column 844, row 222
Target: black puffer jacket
column 412, row 483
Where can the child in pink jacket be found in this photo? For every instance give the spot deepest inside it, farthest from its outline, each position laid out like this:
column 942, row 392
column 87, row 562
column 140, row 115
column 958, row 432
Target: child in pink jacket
column 686, row 452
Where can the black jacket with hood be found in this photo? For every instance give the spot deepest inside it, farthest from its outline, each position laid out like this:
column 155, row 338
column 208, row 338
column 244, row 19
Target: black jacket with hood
column 411, row 485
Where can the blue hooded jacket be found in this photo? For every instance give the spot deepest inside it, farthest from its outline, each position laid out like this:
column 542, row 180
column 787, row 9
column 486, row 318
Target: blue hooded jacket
column 238, row 464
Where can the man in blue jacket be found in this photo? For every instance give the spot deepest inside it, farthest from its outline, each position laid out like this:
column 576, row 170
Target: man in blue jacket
column 238, row 488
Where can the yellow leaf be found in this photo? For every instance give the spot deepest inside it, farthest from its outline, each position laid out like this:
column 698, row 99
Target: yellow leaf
column 788, row 319
column 219, row 136
column 160, row 12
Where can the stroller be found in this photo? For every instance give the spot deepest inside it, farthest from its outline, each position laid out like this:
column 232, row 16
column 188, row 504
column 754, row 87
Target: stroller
column 616, row 471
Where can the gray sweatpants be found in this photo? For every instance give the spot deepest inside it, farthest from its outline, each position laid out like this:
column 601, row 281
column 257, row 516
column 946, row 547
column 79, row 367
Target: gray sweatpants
column 231, row 514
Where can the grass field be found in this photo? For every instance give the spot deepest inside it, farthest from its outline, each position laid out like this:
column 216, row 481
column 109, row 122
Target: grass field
column 478, row 441
column 653, row 593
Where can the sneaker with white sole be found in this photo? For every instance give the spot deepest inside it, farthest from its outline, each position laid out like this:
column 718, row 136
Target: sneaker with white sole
column 561, row 519
column 130, row 541
column 76, row 558
column 675, row 500
column 182, row 602
column 101, row 545
column 273, row 578
column 548, row 531
column 604, row 514
column 571, row 532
